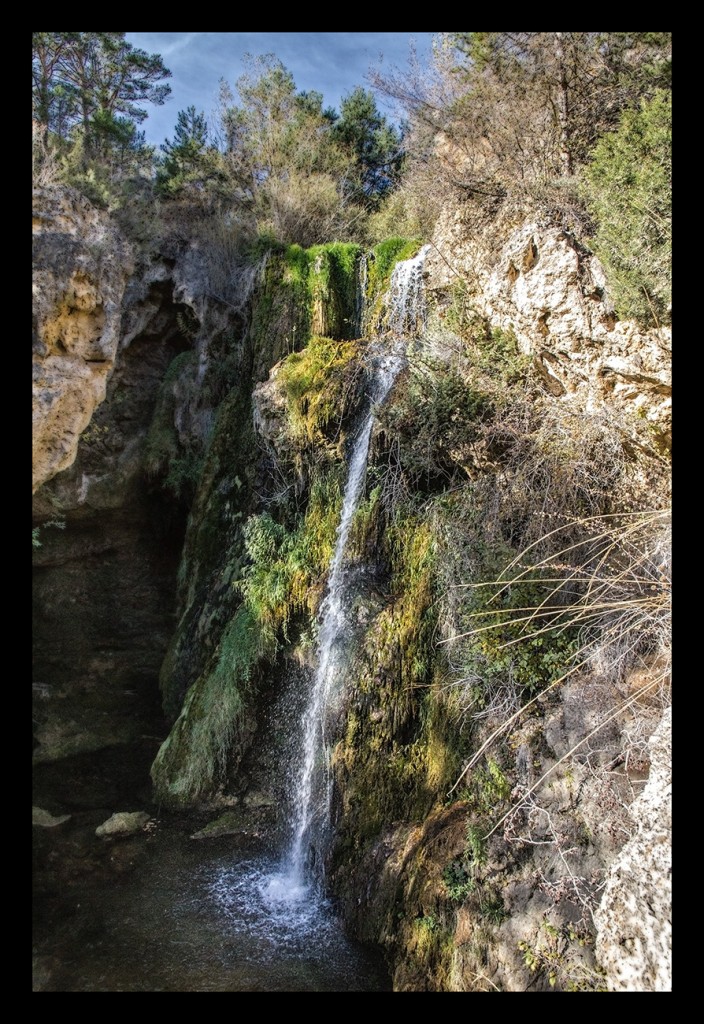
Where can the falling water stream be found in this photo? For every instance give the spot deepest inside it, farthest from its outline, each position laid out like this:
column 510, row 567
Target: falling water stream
column 212, row 919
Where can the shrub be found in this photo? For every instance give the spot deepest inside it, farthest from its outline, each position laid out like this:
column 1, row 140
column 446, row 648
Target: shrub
column 628, row 186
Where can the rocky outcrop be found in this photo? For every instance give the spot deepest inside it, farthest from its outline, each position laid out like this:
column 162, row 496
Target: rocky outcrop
column 540, row 283
column 122, row 823
column 44, row 819
column 104, row 570
column 634, row 918
column 81, row 266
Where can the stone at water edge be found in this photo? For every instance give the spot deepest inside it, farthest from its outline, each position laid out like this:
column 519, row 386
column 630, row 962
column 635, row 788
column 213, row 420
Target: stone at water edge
column 46, row 820
column 123, row 823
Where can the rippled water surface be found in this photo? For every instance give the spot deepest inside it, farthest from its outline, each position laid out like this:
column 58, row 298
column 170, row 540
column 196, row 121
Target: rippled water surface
column 200, row 917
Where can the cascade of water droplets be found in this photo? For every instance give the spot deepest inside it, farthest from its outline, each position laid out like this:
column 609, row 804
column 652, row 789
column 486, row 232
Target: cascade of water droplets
column 407, row 296
column 311, row 786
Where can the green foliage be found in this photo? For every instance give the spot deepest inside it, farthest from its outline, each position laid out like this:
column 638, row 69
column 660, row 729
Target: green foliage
column 189, row 159
column 320, row 384
column 367, row 526
column 57, row 524
column 492, row 353
column 383, row 259
column 628, row 185
column 558, row 955
column 86, row 87
column 281, row 157
column 458, row 878
column 411, row 545
column 284, row 578
column 434, row 420
column 193, row 758
column 398, row 751
column 375, row 146
column 504, row 644
column 476, row 844
column 281, row 315
column 558, row 91
column 332, row 284
column 491, row 907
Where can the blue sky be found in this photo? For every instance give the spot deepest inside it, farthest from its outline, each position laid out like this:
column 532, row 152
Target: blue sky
column 330, row 62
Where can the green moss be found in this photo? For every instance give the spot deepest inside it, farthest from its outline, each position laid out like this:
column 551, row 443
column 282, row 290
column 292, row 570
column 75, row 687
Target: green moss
column 213, row 552
column 367, row 525
column 321, row 386
column 178, row 465
column 380, row 264
column 486, row 790
column 400, row 750
column 284, row 579
column 281, row 316
column 306, row 292
column 385, row 256
column 332, row 285
column 192, row 759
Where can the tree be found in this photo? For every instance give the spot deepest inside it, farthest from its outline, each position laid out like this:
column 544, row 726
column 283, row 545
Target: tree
column 282, row 158
column 628, row 185
column 94, row 81
column 374, row 146
column 189, row 158
column 516, row 112
column 576, row 83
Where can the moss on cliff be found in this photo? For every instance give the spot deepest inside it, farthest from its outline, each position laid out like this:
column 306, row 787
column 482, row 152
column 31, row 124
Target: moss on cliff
column 176, row 463
column 214, row 717
column 321, row 385
column 234, row 552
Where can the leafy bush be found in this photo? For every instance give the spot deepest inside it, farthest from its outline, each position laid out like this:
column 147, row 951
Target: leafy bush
column 628, row 186
column 284, row 577
column 433, row 421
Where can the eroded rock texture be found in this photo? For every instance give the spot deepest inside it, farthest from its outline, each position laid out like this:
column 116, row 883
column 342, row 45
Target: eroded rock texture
column 634, row 919
column 81, row 266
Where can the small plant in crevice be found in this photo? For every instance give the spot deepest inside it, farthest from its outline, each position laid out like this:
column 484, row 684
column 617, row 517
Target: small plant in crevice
column 491, row 906
column 57, row 524
column 562, row 956
column 459, row 879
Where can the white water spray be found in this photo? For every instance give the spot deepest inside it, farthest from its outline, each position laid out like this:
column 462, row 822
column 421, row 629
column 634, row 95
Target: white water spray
column 331, row 642
column 407, row 296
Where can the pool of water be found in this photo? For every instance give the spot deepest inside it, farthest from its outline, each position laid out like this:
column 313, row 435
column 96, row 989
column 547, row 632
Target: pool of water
column 166, row 913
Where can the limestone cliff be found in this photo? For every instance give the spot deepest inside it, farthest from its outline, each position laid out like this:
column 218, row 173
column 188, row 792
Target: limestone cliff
column 81, row 266
column 193, row 447
column 544, row 285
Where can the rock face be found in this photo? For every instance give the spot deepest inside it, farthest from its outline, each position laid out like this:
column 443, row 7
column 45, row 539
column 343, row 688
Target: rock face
column 634, row 919
column 81, row 266
column 104, row 584
column 540, row 283
column 46, row 820
column 106, row 332
column 122, row 823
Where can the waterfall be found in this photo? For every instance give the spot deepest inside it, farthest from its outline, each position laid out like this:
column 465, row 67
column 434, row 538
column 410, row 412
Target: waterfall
column 407, row 297
column 309, row 804
column 311, row 790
